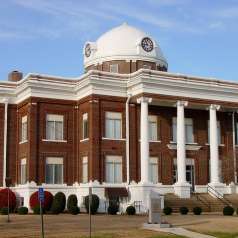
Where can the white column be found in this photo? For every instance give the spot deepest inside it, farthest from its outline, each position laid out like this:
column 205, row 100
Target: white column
column 214, row 154
column 181, row 149
column 144, row 137
column 5, row 101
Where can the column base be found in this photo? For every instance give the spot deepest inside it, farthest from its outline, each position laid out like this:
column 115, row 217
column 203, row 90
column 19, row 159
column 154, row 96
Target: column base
column 216, row 189
column 183, row 190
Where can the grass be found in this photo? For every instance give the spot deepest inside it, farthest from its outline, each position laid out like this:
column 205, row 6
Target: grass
column 113, row 235
column 223, row 235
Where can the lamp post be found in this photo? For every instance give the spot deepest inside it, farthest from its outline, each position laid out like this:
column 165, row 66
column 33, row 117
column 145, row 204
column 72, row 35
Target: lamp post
column 8, row 182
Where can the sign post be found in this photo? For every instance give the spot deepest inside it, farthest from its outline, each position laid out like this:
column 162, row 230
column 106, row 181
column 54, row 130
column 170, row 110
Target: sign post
column 41, row 198
column 89, row 211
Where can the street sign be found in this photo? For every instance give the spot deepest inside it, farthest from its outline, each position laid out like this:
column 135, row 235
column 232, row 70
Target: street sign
column 41, row 195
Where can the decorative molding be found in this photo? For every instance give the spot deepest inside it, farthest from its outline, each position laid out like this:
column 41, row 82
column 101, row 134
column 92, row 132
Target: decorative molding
column 188, row 146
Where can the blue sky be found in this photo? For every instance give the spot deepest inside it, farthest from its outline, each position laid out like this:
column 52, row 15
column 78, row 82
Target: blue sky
column 47, row 36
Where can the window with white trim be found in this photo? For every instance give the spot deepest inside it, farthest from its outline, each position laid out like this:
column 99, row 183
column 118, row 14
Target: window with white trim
column 85, row 126
column 113, row 126
column 54, row 127
column 153, row 128
column 189, row 138
column 24, row 129
column 54, row 170
column 114, row 68
column 113, row 169
column 85, row 169
column 23, row 171
column 218, row 132
column 153, row 170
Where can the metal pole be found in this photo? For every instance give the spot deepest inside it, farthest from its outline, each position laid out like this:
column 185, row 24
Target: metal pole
column 8, row 206
column 42, row 221
column 89, row 209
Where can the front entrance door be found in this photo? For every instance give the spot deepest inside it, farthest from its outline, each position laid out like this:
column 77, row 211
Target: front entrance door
column 190, row 173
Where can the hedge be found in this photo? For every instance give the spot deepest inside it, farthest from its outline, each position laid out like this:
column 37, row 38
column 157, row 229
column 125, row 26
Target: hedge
column 167, row 210
column 34, row 201
column 183, row 210
column 60, row 197
column 22, row 210
column 4, row 211
column 228, row 211
column 74, row 210
column 113, row 208
column 197, row 210
column 72, row 201
column 94, row 204
column 130, row 210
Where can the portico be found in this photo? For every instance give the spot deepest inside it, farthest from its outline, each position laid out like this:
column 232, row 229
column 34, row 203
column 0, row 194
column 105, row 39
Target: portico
column 182, row 187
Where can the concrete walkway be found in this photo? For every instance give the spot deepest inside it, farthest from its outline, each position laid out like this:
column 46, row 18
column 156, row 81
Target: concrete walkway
column 175, row 230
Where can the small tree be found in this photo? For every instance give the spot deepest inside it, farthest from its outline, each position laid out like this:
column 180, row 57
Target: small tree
column 61, row 200
column 130, row 210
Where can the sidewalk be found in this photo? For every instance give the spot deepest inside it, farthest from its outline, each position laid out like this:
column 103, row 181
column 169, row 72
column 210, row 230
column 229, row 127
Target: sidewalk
column 176, row 230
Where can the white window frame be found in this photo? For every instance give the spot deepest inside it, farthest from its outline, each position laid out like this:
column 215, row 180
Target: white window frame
column 153, row 120
column 54, row 161
column 23, row 171
column 85, row 120
column 187, row 122
column 218, row 132
column 24, row 132
column 114, row 68
column 54, row 118
column 113, row 160
column 113, row 116
column 85, row 169
column 154, row 162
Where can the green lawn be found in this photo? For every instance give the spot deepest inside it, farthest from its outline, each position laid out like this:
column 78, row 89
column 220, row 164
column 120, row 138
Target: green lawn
column 108, row 235
column 224, row 235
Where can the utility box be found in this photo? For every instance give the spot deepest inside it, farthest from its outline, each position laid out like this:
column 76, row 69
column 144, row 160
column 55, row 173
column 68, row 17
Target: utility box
column 155, row 208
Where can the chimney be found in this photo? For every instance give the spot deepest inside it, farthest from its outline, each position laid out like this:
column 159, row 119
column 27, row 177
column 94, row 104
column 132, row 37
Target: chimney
column 15, row 76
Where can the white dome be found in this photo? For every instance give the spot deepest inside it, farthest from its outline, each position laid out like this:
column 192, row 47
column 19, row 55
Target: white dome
column 122, row 43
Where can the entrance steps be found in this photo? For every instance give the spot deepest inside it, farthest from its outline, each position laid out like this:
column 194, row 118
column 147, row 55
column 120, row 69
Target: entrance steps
column 203, row 200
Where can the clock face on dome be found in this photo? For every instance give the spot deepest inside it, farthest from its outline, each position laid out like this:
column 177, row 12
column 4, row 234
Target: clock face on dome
column 87, row 50
column 147, row 44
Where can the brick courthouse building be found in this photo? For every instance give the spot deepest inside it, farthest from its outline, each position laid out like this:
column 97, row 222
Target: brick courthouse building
column 125, row 127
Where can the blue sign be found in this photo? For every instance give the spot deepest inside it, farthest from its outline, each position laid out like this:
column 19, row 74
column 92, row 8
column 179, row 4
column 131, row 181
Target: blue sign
column 41, row 195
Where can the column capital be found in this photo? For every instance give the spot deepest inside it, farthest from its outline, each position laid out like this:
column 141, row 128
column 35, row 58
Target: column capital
column 182, row 103
column 144, row 99
column 4, row 100
column 214, row 107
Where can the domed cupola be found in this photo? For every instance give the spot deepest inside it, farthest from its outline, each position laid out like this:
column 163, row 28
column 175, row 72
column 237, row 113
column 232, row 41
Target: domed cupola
column 125, row 47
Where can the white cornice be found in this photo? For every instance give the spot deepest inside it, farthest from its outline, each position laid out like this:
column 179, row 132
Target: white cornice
column 105, row 83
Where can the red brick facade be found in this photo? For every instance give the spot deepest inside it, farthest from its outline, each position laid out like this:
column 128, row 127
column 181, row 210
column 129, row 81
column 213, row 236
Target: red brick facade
column 35, row 150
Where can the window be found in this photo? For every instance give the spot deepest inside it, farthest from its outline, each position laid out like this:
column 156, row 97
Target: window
column 114, row 169
column 188, row 130
column 24, row 129
column 114, row 68
column 153, row 128
column 23, row 171
column 54, row 127
column 218, row 132
column 153, row 170
column 113, row 125
column 85, row 169
column 54, row 170
column 85, row 125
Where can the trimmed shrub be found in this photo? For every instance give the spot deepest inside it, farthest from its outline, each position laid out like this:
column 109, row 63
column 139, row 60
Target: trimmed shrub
column 34, row 201
column 36, row 210
column 4, row 211
column 183, row 210
column 22, row 210
column 56, row 207
column 74, row 210
column 130, row 210
column 167, row 210
column 228, row 211
column 197, row 210
column 94, row 204
column 4, row 198
column 113, row 208
column 72, row 201
column 60, row 197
